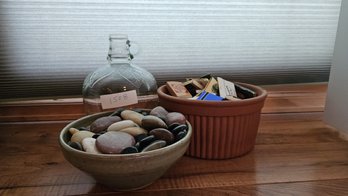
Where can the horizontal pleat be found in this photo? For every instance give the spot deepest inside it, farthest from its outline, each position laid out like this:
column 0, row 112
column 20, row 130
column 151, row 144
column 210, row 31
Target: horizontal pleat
column 48, row 47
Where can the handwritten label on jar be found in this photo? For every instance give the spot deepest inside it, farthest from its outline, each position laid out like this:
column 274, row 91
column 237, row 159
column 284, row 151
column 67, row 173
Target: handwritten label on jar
column 119, row 99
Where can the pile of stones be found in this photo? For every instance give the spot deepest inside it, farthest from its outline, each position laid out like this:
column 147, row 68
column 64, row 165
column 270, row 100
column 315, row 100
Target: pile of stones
column 130, row 131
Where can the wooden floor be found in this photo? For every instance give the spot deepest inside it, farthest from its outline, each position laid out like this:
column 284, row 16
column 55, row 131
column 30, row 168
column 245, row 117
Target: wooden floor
column 296, row 153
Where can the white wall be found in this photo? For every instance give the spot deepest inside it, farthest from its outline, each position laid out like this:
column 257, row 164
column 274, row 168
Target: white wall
column 336, row 109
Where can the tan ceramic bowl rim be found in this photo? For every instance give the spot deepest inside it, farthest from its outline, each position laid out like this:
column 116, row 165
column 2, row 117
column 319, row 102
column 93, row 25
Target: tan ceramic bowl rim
column 261, row 95
column 142, row 154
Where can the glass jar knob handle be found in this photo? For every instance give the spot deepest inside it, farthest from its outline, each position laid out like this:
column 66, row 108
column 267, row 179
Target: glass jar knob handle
column 133, row 48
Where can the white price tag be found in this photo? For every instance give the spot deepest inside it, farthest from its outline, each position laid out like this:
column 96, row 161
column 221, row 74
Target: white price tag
column 119, row 99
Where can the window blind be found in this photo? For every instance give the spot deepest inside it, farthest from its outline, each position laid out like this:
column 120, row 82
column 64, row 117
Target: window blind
column 49, row 46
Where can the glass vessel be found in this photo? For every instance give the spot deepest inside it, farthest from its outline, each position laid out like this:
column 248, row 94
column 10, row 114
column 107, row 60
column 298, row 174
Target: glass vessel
column 120, row 83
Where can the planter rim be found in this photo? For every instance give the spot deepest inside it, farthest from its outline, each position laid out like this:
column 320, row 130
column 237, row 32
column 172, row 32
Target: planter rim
column 261, row 95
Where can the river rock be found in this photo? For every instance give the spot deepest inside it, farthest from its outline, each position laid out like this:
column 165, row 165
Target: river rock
column 134, row 131
column 113, row 142
column 160, row 112
column 178, row 129
column 117, row 112
column 180, row 135
column 175, row 117
column 89, row 146
column 151, row 122
column 138, row 138
column 144, row 112
column 73, row 130
column 129, row 150
column 103, row 123
column 155, row 145
column 121, row 125
column 83, row 128
column 131, row 115
column 145, row 142
column 80, row 135
column 75, row 145
column 173, row 126
column 162, row 134
column 96, row 135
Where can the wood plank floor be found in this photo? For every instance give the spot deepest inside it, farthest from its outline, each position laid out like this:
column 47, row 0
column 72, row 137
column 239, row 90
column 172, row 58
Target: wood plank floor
column 296, row 153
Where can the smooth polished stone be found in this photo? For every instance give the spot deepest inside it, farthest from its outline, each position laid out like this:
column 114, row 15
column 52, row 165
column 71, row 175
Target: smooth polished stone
column 155, row 145
column 131, row 115
column 103, row 123
column 117, row 112
column 75, row 145
column 139, row 137
column 137, row 145
column 73, row 130
column 178, row 129
column 84, row 128
column 95, row 136
column 139, row 110
column 175, row 117
column 151, row 122
column 146, row 141
column 172, row 126
column 89, row 146
column 113, row 142
column 129, row 150
column 162, row 134
column 142, row 111
column 121, row 125
column 134, row 131
column 79, row 136
column 160, row 112
column 145, row 113
column 180, row 135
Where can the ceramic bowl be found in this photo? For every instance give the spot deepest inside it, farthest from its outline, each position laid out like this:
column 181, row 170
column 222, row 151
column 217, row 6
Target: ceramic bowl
column 122, row 171
column 220, row 129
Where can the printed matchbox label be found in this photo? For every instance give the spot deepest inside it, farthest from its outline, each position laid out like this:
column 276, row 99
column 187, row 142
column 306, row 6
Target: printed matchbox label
column 226, row 88
column 119, row 99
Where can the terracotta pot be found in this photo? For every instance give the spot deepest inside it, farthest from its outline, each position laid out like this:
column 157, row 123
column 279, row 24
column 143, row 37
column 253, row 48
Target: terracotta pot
column 221, row 129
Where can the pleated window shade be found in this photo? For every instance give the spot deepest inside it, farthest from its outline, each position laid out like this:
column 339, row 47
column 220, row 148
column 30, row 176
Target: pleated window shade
column 49, row 46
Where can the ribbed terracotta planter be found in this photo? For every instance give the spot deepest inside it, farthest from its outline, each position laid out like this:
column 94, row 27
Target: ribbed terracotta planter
column 221, row 130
